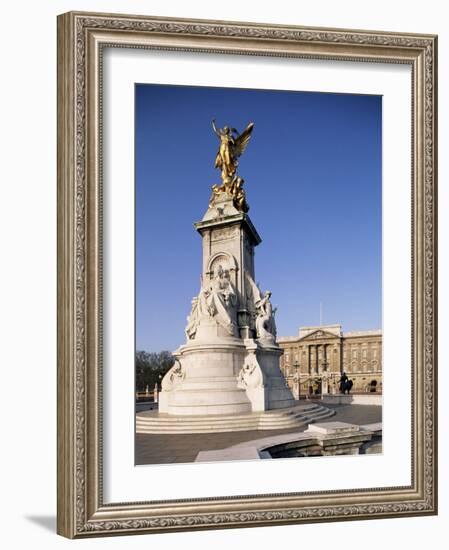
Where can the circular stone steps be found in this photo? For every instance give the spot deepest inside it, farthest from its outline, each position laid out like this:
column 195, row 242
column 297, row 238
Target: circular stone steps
column 151, row 422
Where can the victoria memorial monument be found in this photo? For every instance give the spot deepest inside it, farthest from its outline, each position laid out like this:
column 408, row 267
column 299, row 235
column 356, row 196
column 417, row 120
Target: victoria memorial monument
column 227, row 375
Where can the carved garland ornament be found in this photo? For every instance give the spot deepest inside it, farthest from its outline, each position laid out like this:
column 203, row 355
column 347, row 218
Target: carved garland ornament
column 82, row 24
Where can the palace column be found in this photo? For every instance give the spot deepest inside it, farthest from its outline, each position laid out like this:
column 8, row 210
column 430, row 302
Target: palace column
column 309, row 360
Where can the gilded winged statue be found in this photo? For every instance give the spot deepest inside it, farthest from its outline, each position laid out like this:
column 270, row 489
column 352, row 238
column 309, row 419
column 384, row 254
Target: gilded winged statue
column 232, row 145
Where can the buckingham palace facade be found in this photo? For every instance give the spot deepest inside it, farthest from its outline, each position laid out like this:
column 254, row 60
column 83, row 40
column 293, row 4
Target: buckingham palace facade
column 318, row 356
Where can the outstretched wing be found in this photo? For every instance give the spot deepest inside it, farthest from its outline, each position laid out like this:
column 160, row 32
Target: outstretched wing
column 242, row 140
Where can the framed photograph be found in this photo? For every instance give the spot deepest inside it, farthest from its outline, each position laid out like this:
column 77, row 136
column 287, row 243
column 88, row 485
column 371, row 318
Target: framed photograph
column 246, row 274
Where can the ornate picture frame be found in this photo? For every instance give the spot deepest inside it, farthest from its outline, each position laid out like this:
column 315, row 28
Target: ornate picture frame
column 82, row 38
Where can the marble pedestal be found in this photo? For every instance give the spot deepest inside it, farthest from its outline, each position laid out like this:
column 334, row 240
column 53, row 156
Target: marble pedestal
column 225, row 376
column 204, row 380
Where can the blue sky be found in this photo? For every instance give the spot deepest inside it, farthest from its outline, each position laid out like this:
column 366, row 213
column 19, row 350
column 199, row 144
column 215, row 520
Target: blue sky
column 312, row 175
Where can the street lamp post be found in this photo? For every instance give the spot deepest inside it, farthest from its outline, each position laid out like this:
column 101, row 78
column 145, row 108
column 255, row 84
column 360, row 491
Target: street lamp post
column 334, row 377
column 296, row 365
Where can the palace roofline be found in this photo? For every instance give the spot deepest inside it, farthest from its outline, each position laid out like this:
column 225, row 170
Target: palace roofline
column 306, row 331
column 377, row 332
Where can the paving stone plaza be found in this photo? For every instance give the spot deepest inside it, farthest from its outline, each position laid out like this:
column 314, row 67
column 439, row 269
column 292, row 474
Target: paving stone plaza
column 182, row 448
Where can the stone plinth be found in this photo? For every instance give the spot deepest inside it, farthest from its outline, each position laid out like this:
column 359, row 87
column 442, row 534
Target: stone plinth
column 333, row 428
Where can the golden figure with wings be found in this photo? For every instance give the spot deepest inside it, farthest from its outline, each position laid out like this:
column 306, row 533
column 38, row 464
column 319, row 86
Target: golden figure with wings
column 232, row 146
